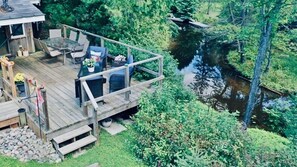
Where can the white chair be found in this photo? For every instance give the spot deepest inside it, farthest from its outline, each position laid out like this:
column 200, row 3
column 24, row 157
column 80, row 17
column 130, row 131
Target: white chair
column 81, row 41
column 38, row 45
column 73, row 35
column 52, row 53
column 54, row 33
column 80, row 55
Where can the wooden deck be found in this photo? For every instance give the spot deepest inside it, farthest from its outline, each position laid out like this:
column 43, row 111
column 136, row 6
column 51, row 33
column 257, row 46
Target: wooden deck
column 9, row 114
column 65, row 113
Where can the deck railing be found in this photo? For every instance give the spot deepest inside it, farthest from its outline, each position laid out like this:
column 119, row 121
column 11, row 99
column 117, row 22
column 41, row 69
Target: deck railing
column 38, row 113
column 9, row 87
column 157, row 58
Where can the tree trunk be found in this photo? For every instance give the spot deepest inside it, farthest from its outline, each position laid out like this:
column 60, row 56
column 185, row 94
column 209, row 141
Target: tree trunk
column 268, row 57
column 264, row 43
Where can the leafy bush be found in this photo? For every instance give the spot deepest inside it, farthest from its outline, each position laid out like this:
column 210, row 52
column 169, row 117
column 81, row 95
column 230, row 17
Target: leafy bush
column 171, row 122
column 282, row 118
column 173, row 129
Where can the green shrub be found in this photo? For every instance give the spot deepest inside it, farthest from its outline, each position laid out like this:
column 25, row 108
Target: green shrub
column 171, row 122
column 283, row 120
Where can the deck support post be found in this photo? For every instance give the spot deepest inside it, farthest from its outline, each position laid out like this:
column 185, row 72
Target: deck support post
column 83, row 97
column 95, row 124
column 127, row 94
column 44, row 108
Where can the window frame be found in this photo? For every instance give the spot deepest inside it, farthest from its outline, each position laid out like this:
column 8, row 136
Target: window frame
column 17, row 36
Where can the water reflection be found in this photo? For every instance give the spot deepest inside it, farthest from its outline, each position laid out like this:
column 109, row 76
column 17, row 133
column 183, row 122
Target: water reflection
column 213, row 80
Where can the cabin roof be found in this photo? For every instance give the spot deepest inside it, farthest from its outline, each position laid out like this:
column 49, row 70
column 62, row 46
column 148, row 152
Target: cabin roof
column 24, row 12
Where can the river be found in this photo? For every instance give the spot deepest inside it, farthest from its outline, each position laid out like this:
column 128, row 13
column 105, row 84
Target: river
column 214, row 81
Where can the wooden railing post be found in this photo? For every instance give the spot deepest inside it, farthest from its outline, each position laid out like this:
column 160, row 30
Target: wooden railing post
column 83, row 99
column 65, row 31
column 12, row 84
column 127, row 76
column 101, row 42
column 160, row 69
column 128, row 51
column 45, row 110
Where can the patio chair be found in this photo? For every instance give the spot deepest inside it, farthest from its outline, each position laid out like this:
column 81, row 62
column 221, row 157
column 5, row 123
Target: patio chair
column 73, row 35
column 38, row 45
column 54, row 33
column 81, row 41
column 117, row 78
column 52, row 53
column 78, row 57
column 102, row 50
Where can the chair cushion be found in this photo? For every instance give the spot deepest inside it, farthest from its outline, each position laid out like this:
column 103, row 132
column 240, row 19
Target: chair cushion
column 77, row 54
column 55, row 53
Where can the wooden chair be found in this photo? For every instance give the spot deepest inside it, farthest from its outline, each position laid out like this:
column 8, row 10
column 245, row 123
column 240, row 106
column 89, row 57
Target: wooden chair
column 52, row 53
column 77, row 57
column 54, row 33
column 73, row 35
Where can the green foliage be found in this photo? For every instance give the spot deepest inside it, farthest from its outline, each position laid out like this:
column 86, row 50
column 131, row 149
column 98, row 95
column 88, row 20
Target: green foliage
column 171, row 122
column 284, row 120
column 112, row 151
column 259, row 140
column 185, row 9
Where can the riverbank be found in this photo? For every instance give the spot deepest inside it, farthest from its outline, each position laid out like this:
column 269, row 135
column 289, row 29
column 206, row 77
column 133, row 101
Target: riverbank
column 282, row 75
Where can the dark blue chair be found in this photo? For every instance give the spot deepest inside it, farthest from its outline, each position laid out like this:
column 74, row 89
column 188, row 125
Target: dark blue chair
column 117, row 78
column 104, row 53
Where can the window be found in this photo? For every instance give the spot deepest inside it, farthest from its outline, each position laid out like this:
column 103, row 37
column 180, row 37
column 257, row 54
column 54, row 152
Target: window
column 17, row 31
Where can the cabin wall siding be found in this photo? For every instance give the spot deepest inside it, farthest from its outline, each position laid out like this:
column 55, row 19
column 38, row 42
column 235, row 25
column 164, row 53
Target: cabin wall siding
column 26, row 42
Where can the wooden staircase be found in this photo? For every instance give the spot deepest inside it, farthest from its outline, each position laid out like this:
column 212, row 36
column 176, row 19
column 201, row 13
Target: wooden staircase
column 73, row 140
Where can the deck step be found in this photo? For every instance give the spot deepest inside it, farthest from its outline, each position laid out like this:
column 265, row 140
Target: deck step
column 76, row 145
column 71, row 134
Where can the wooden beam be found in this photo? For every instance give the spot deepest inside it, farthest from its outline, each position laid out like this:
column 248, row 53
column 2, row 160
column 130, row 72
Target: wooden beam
column 126, row 89
column 112, row 41
column 90, row 95
column 127, row 80
column 118, row 68
column 148, row 71
column 45, row 110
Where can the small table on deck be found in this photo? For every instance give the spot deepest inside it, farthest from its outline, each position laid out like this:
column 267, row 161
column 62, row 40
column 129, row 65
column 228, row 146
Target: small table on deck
column 62, row 44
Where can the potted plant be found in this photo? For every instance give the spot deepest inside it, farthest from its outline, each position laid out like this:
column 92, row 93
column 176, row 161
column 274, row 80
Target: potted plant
column 19, row 82
column 90, row 63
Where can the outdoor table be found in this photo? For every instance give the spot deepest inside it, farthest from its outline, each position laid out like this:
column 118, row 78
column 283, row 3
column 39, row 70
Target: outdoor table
column 62, row 44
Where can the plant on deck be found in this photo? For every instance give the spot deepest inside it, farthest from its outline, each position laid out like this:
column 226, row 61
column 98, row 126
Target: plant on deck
column 89, row 62
column 19, row 78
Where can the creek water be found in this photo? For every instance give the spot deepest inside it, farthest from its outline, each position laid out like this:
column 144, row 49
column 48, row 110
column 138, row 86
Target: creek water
column 206, row 71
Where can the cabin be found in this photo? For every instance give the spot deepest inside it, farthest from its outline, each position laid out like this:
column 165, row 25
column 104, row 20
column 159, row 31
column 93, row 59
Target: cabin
column 18, row 20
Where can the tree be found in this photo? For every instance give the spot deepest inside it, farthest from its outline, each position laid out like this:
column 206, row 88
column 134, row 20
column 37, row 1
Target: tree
column 269, row 16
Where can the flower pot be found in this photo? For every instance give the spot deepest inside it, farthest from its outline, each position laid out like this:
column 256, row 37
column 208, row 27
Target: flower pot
column 20, row 54
column 106, row 122
column 91, row 69
column 21, row 89
column 25, row 53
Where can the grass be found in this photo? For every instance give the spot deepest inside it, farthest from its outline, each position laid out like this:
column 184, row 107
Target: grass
column 112, row 151
column 267, row 141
